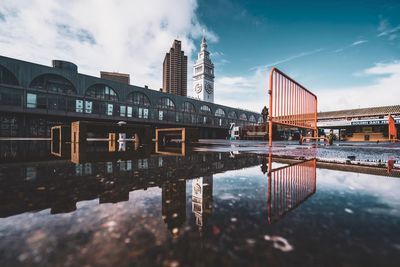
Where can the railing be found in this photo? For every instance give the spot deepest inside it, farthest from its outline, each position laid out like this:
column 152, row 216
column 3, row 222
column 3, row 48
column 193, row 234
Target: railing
column 289, row 186
column 290, row 103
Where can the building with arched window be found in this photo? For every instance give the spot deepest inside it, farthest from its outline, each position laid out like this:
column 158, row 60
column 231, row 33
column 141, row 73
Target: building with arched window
column 34, row 97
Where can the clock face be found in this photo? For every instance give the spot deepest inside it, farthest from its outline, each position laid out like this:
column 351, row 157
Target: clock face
column 198, row 88
column 209, row 88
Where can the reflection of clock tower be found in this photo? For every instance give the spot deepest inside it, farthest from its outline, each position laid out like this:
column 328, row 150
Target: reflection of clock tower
column 203, row 75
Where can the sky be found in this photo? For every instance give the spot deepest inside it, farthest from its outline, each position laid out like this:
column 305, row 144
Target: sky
column 346, row 52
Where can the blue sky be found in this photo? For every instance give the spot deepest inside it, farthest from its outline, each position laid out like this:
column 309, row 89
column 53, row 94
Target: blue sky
column 327, row 42
column 347, row 52
column 326, row 46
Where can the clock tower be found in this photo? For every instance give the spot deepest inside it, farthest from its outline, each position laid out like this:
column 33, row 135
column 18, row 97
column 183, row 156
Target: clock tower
column 203, row 75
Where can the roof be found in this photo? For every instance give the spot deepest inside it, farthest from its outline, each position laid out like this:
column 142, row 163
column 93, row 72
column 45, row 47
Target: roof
column 114, row 73
column 360, row 112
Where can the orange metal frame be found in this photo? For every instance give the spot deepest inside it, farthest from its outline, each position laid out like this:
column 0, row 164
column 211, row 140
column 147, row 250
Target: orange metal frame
column 392, row 129
column 290, row 103
column 289, row 186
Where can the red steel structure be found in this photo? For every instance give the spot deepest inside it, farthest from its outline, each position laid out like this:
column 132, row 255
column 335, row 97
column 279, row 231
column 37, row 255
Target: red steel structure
column 289, row 187
column 392, row 128
column 290, row 103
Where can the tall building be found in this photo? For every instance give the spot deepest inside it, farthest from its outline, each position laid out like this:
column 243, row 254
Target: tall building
column 175, row 71
column 203, row 75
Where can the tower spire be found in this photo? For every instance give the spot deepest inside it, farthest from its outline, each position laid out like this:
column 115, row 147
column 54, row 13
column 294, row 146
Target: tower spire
column 203, row 42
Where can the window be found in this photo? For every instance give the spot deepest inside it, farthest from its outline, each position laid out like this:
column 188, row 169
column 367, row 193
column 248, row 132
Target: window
column 243, row 117
column 53, row 83
column 232, row 115
column 78, row 105
column 188, row 107
column 31, row 100
column 10, row 97
column 252, row 119
column 122, row 111
column 6, row 77
column 143, row 113
column 219, row 113
column 110, row 109
column 102, row 91
column 160, row 115
column 129, row 112
column 139, row 99
column 205, row 109
column 88, row 107
column 166, row 103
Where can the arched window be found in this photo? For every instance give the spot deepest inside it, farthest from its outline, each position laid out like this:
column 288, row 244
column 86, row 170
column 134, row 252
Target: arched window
column 139, row 98
column 219, row 113
column 232, row 115
column 53, row 83
column 6, row 77
column 243, row 117
column 166, row 103
column 188, row 107
column 252, row 119
column 205, row 109
column 102, row 91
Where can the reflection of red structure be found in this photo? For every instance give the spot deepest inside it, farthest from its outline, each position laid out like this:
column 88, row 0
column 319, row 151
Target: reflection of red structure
column 392, row 129
column 390, row 166
column 289, row 186
column 290, row 103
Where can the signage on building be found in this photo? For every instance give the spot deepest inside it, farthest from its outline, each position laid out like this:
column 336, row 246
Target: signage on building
column 334, row 123
column 373, row 122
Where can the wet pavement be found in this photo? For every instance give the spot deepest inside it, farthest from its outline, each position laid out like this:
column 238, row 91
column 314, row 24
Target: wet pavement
column 218, row 204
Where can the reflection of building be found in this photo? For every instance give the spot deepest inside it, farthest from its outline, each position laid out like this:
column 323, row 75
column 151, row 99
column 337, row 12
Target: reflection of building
column 174, row 205
column 80, row 181
column 175, row 71
column 202, row 199
column 203, row 75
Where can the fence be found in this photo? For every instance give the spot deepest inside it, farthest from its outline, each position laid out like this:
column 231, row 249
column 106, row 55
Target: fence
column 290, row 103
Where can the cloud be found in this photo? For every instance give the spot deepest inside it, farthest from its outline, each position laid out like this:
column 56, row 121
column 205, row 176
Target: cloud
column 382, row 92
column 386, row 30
column 290, row 58
column 248, row 92
column 126, row 36
column 359, row 42
column 355, row 43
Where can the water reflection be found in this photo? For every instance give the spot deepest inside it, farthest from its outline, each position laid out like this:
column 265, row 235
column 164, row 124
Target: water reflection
column 289, row 186
column 174, row 205
column 202, row 199
column 110, row 176
column 192, row 209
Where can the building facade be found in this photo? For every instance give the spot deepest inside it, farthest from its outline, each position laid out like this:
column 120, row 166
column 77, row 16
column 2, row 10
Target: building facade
column 203, row 75
column 33, row 98
column 175, row 71
column 363, row 124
